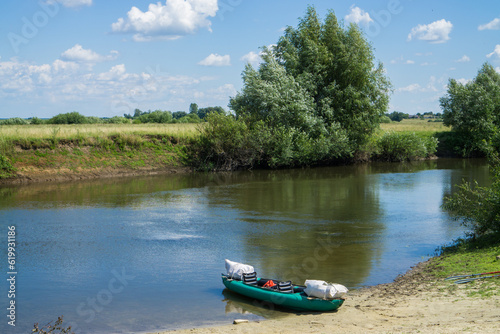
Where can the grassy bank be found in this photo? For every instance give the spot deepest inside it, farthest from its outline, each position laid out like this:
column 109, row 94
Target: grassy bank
column 93, row 148
column 62, row 151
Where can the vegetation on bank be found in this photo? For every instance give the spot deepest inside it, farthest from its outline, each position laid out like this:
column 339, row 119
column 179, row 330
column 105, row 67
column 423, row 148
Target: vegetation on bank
column 95, row 148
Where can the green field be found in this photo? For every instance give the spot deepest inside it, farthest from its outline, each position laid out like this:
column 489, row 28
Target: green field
column 415, row 125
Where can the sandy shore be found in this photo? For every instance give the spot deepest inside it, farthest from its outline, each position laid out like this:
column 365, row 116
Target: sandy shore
column 415, row 303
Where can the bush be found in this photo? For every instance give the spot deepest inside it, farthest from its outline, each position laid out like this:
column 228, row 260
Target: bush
column 118, row 120
column 227, row 143
column 14, row 121
column 156, row 116
column 385, row 119
column 68, row 118
column 395, row 146
column 36, row 121
column 478, row 207
column 6, row 167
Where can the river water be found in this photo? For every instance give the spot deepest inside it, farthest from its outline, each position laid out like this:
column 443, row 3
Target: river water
column 145, row 254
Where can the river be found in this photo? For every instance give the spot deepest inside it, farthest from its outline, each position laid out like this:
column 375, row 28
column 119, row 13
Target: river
column 145, row 254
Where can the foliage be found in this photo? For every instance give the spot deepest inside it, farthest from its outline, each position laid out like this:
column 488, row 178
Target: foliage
column 204, row 112
column 478, row 207
column 385, row 120
column 405, row 146
column 227, row 143
column 56, row 328
column 179, row 114
column 36, row 121
column 118, row 120
column 397, row 116
column 14, row 121
column 473, row 109
column 318, row 94
column 68, row 118
column 335, row 66
column 156, row 116
column 6, row 167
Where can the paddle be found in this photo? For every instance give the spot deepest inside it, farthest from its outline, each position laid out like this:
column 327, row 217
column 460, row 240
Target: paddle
column 463, row 276
column 467, row 280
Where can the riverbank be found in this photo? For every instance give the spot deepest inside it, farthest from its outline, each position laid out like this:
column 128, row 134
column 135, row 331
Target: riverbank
column 417, row 302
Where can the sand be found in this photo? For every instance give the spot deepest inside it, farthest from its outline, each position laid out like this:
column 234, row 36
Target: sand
column 414, row 303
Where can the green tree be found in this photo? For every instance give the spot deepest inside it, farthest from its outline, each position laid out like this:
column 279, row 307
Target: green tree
column 397, row 116
column 193, row 108
column 334, row 79
column 472, row 110
column 68, row 118
column 204, row 112
column 478, row 207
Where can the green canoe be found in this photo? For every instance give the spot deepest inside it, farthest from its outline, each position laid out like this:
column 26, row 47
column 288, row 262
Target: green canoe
column 295, row 300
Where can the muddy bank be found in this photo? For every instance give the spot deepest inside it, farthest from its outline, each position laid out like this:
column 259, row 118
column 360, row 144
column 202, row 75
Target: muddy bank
column 64, row 175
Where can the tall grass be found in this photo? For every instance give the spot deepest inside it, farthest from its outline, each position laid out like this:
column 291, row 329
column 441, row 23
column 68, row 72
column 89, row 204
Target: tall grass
column 73, row 131
column 415, row 125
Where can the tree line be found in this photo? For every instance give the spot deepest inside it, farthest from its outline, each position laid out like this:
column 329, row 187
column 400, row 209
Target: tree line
column 196, row 115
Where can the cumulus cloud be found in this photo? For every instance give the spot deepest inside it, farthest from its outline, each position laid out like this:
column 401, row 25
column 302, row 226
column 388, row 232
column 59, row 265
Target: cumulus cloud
column 116, row 90
column 493, row 25
column 495, row 52
column 464, row 59
column 410, row 88
column 78, row 54
column 435, row 32
column 357, row 15
column 216, row 60
column 173, row 20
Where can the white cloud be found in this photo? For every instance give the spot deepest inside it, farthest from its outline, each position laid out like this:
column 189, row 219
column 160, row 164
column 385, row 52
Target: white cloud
column 357, row 15
column 464, row 59
column 252, row 58
column 216, row 60
column 116, row 91
column 78, row 54
column 493, row 25
column 435, row 32
column 463, row 81
column 173, row 20
column 495, row 52
column 73, row 3
column 410, row 88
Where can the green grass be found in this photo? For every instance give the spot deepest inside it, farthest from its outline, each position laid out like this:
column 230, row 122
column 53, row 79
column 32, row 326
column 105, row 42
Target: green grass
column 471, row 256
column 415, row 125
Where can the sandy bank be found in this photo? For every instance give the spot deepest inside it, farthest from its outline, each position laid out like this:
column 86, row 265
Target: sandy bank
column 415, row 303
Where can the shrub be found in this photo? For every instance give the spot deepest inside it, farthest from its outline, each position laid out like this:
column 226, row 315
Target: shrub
column 478, row 207
column 68, row 118
column 6, row 167
column 227, row 143
column 395, row 146
column 14, row 121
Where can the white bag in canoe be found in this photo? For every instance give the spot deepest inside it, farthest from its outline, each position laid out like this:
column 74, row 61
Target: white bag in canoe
column 324, row 290
column 236, row 270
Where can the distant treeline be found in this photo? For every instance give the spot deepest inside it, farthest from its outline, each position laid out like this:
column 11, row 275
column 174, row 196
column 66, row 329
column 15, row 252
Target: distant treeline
column 397, row 116
column 195, row 115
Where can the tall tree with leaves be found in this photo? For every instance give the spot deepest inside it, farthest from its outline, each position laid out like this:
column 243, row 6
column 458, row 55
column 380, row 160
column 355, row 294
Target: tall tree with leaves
column 336, row 66
column 473, row 110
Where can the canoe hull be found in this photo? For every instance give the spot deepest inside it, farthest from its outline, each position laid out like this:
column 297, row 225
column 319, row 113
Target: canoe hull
column 294, row 301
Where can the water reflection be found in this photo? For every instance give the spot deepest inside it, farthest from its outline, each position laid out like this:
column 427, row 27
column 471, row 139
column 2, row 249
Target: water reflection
column 356, row 225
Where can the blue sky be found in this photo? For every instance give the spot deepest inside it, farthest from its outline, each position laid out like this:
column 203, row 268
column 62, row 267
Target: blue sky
column 106, row 58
